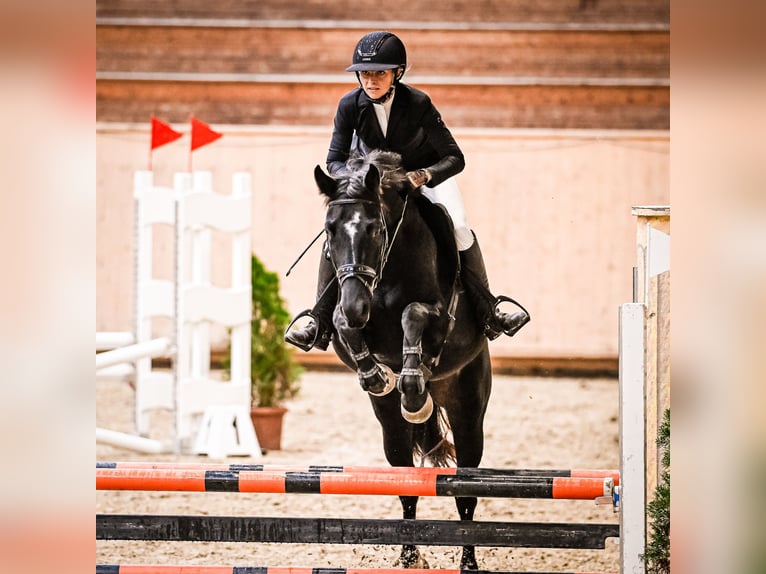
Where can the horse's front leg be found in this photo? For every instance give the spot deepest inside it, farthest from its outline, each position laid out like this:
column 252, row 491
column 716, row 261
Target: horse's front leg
column 372, row 377
column 417, row 404
column 410, row 556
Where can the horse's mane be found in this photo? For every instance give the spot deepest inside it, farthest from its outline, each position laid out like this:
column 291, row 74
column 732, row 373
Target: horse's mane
column 392, row 175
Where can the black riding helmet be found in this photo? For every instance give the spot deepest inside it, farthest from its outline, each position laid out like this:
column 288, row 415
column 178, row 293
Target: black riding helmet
column 379, row 51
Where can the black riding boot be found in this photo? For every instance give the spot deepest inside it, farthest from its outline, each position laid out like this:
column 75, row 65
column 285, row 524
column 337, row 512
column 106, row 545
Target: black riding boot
column 476, row 283
column 327, row 298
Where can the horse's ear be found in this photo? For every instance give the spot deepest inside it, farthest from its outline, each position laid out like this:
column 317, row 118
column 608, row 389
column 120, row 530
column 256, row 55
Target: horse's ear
column 325, row 183
column 372, row 179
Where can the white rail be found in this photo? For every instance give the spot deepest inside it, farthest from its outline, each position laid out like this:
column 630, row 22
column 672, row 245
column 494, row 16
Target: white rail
column 130, row 353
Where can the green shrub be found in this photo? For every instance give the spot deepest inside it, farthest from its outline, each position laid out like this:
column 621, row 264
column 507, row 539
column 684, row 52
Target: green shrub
column 274, row 374
column 657, row 557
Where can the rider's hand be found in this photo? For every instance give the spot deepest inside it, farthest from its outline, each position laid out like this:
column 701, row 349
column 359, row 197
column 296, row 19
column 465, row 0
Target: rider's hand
column 418, row 177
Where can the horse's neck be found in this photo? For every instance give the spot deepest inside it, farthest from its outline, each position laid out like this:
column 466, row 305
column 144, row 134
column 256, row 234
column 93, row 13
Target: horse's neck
column 414, row 237
column 394, row 206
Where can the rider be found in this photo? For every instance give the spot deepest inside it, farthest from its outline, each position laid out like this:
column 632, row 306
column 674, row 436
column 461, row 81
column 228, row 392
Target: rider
column 383, row 113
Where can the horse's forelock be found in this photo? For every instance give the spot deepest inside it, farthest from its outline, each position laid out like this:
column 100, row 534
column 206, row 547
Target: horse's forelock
column 389, row 164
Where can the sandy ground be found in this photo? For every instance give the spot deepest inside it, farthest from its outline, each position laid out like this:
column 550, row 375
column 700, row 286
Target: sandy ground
column 531, row 423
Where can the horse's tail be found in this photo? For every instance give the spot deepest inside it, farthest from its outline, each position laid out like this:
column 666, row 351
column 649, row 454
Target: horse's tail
column 432, row 442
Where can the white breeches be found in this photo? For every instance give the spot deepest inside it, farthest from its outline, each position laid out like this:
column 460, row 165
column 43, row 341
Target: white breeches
column 448, row 195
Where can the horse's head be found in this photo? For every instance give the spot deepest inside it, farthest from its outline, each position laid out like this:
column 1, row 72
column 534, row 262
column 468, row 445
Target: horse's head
column 356, row 237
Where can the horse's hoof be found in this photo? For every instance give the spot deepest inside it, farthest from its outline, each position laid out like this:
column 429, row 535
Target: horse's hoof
column 422, row 415
column 411, row 559
column 387, row 387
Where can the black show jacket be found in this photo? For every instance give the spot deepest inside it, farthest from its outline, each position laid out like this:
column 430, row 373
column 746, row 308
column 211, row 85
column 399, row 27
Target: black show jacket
column 416, row 131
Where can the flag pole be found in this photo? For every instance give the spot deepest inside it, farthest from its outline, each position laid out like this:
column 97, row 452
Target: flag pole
column 191, row 142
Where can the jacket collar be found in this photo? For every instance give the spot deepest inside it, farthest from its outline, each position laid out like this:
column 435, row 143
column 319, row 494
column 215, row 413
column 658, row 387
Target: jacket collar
column 369, row 127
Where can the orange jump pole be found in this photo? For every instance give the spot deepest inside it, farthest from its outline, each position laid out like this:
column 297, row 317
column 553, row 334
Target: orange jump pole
column 383, row 481
column 493, row 472
column 169, row 569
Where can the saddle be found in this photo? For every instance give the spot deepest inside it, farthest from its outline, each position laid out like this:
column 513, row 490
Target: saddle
column 439, row 222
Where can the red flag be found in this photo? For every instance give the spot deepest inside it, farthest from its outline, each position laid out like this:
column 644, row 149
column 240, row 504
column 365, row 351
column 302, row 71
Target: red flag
column 201, row 134
column 162, row 133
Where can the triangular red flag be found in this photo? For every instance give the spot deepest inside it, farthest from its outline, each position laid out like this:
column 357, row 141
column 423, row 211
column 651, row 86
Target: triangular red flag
column 201, row 134
column 162, row 133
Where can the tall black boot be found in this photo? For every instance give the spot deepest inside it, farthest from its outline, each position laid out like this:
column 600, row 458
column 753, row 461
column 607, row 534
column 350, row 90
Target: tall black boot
column 475, row 280
column 313, row 335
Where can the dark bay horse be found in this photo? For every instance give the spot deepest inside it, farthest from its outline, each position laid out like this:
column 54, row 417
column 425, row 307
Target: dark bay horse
column 402, row 322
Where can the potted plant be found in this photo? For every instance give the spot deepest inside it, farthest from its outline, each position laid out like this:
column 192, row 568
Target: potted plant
column 274, row 374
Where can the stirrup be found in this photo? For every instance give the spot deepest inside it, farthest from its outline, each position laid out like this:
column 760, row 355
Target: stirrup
column 516, row 328
column 493, row 328
column 317, row 336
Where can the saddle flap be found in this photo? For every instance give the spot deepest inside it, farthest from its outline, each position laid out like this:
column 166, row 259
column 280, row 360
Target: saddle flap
column 439, row 222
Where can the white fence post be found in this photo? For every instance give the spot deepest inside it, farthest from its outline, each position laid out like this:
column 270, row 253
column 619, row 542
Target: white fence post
column 632, row 439
column 193, row 303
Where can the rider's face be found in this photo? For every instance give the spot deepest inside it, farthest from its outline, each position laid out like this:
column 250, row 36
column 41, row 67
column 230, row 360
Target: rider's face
column 376, row 83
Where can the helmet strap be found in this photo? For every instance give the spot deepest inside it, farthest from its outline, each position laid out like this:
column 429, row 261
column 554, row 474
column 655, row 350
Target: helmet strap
column 385, row 97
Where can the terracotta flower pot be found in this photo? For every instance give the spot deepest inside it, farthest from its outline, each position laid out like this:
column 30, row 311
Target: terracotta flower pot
column 268, row 426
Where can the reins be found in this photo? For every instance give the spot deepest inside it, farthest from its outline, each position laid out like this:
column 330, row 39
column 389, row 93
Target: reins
column 304, row 252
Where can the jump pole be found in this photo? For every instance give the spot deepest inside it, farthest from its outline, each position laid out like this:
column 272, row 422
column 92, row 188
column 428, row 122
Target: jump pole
column 262, row 529
column 186, row 569
column 131, row 442
column 418, row 482
column 108, row 340
column 460, row 471
column 130, row 353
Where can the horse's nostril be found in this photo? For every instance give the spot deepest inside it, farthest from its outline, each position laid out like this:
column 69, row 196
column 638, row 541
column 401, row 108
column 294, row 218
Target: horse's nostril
column 356, row 309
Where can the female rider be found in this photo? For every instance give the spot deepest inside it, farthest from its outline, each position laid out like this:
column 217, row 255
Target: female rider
column 383, row 113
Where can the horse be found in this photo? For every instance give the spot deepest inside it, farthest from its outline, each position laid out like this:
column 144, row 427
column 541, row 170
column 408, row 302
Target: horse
column 403, row 321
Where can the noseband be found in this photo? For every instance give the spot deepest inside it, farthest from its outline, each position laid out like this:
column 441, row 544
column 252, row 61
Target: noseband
column 368, row 276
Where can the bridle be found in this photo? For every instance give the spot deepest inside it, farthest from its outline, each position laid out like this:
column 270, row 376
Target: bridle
column 368, row 276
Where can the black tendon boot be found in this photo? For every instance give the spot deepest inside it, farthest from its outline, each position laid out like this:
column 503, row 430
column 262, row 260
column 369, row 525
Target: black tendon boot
column 476, row 283
column 313, row 335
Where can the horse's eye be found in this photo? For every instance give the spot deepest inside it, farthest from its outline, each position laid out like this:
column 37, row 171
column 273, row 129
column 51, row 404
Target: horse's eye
column 373, row 229
column 329, row 227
